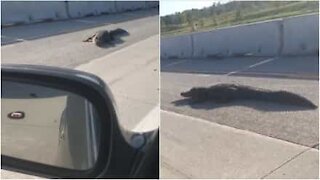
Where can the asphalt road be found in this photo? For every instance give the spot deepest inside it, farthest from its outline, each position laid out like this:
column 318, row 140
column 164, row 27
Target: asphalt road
column 60, row 43
column 15, row 34
column 296, row 67
column 274, row 73
column 279, row 121
column 130, row 68
column 132, row 74
column 194, row 148
column 207, row 140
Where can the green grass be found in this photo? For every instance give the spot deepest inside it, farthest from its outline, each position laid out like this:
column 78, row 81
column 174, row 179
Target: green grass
column 247, row 16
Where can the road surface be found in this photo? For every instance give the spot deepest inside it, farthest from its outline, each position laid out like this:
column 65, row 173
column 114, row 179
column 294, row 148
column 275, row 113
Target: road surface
column 130, row 68
column 240, row 139
column 194, row 148
column 66, row 48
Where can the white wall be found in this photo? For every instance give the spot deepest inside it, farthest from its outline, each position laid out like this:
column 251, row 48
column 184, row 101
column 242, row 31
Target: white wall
column 85, row 8
column 25, row 12
column 130, row 5
column 177, row 47
column 152, row 4
column 20, row 12
column 290, row 36
column 301, row 35
column 261, row 39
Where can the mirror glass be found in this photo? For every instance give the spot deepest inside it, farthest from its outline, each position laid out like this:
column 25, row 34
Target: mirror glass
column 48, row 126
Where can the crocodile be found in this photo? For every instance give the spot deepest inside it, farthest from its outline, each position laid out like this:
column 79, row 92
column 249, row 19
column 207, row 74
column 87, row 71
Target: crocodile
column 225, row 93
column 103, row 37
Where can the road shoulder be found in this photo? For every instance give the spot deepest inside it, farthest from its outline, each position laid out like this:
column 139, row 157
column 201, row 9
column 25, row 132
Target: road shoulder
column 188, row 143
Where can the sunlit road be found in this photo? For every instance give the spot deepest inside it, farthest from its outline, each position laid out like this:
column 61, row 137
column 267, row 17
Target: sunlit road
column 60, row 43
column 241, row 139
column 129, row 68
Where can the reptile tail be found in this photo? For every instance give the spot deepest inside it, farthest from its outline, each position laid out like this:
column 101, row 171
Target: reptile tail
column 285, row 97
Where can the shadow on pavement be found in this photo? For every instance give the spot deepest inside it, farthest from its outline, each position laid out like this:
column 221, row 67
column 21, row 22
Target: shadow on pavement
column 258, row 105
column 112, row 44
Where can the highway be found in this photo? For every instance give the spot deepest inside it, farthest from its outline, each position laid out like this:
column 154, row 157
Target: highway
column 130, row 68
column 242, row 139
column 60, row 43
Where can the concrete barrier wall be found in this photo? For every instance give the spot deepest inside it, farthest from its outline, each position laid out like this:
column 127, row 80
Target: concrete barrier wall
column 24, row 12
column 152, row 4
column 261, row 39
column 16, row 12
column 301, row 35
column 290, row 36
column 130, row 5
column 178, row 47
column 89, row 8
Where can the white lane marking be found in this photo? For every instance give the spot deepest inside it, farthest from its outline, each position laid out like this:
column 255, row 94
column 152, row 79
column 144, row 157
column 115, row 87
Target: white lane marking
column 150, row 122
column 230, row 128
column 16, row 39
column 175, row 63
column 251, row 66
column 11, row 40
column 262, row 62
column 20, row 40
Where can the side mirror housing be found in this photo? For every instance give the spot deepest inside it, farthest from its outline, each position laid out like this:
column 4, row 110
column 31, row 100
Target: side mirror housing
column 62, row 123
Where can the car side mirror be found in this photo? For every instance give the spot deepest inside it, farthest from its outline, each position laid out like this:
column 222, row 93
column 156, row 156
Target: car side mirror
column 63, row 123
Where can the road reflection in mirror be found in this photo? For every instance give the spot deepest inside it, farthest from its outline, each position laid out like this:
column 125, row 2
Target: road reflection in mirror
column 48, row 126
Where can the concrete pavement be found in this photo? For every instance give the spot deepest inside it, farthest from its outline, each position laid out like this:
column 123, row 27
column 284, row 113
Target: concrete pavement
column 195, row 148
column 133, row 76
column 293, row 124
column 130, row 68
column 16, row 34
column 296, row 67
column 244, row 139
column 67, row 49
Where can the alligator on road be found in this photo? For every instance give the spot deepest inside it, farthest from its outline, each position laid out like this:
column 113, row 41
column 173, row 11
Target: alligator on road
column 104, row 37
column 224, row 93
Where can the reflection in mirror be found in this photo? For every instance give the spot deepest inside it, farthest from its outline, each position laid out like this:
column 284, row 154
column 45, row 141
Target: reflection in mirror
column 48, row 126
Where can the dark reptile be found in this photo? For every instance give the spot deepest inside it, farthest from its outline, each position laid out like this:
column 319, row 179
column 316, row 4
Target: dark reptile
column 103, row 37
column 224, row 93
